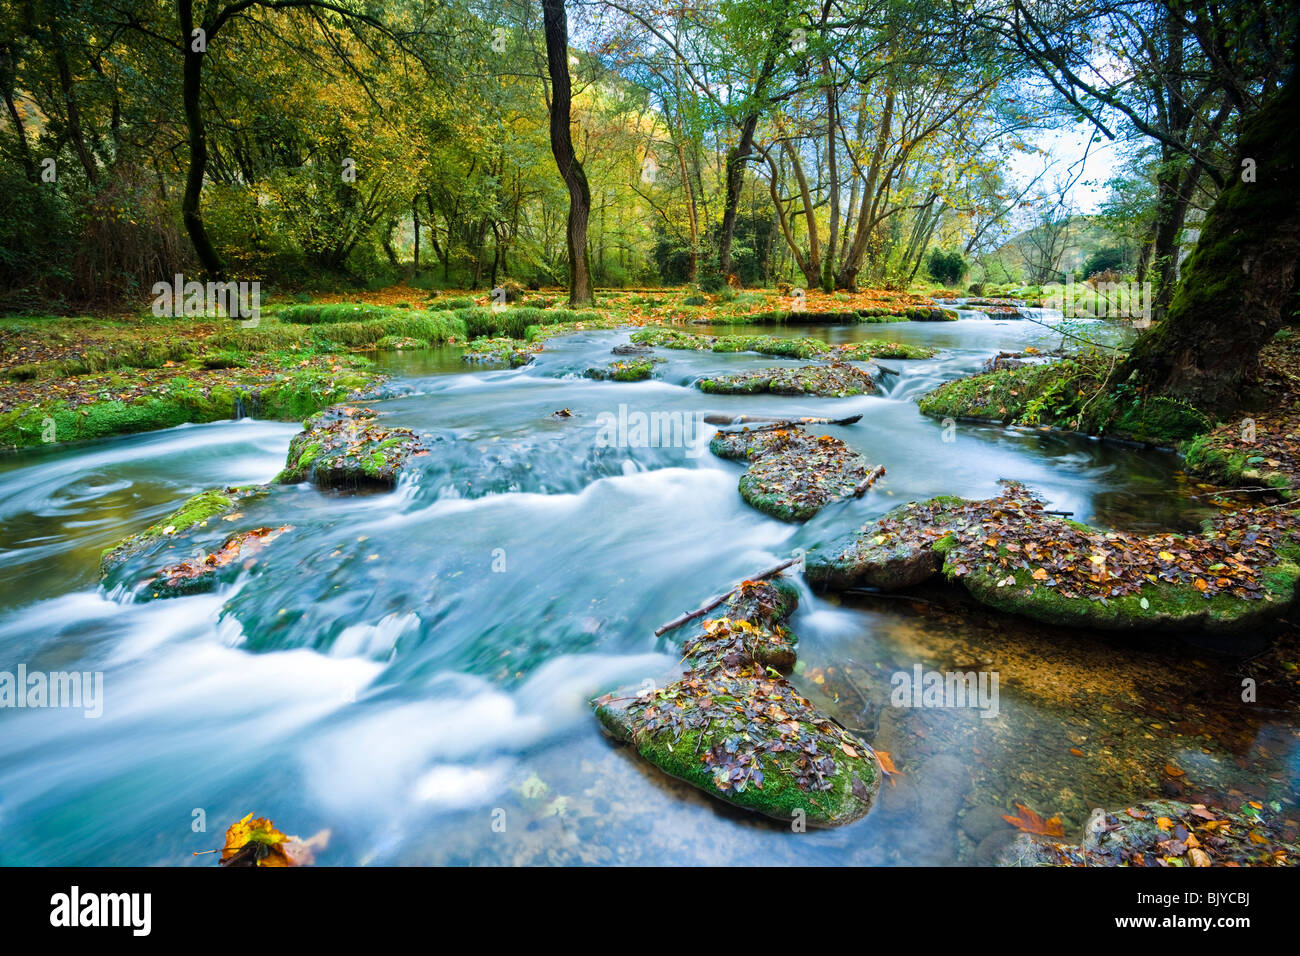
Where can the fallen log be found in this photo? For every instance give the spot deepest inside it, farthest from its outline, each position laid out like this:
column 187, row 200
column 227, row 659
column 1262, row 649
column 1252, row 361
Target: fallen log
column 768, row 419
column 709, row 605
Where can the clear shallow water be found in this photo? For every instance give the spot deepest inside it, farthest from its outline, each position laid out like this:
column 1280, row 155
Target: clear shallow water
column 402, row 667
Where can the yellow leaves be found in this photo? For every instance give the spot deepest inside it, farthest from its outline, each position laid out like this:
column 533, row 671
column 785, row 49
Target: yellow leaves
column 1040, row 574
column 1199, row 856
column 1165, row 556
column 1165, row 824
column 257, row 842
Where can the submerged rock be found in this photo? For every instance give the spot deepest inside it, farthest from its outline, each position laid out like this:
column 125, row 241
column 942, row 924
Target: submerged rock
column 734, row 727
column 238, row 552
column 835, row 380
column 176, row 530
column 172, row 557
column 345, row 447
column 1167, row 833
column 1241, row 571
column 793, row 475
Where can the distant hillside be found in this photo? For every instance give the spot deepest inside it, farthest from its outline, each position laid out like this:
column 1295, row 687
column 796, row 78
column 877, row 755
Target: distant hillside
column 1067, row 244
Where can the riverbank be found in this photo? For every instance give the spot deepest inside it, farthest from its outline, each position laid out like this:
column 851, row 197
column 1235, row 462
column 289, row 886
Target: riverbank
column 70, row 379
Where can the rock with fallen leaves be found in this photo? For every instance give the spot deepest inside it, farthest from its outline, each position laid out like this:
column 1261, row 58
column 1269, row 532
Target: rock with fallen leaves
column 1166, row 833
column 736, row 728
column 237, row 553
column 345, row 448
column 184, row 532
column 792, row 475
column 832, row 380
column 1238, row 573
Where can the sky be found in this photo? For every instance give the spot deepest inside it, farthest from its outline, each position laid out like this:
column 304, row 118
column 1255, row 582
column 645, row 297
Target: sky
column 1066, row 149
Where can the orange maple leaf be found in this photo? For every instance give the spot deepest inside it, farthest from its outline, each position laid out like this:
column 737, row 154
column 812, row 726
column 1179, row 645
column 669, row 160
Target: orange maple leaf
column 1030, row 822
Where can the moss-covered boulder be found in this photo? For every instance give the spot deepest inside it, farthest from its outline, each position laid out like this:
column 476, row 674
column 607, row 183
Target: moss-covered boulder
column 793, row 475
column 239, row 552
column 1167, row 833
column 346, row 448
column 624, row 370
column 834, row 380
column 177, row 528
column 1238, row 573
column 734, row 727
column 508, row 352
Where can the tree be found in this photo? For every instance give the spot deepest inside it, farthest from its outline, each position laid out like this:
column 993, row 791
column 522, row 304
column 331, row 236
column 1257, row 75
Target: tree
column 556, row 26
column 1241, row 282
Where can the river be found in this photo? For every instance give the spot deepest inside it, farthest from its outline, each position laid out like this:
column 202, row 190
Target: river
column 411, row 671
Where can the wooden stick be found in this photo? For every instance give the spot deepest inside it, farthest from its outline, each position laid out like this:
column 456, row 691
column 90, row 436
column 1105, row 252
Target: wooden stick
column 868, row 481
column 777, row 422
column 714, row 602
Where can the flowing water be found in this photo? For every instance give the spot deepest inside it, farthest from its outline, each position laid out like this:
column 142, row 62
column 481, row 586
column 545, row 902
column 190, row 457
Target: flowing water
column 411, row 671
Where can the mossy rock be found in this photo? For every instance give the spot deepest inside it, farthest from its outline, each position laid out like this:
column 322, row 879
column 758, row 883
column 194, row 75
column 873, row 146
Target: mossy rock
column 1235, row 576
column 624, row 370
column 509, row 352
column 735, row 728
column 1073, row 394
column 835, row 380
column 791, row 474
column 193, row 515
column 345, row 448
column 202, row 574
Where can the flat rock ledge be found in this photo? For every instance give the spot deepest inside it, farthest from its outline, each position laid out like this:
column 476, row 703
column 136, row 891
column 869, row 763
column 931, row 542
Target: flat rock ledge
column 1167, row 833
column 345, row 448
column 834, row 380
column 793, row 475
column 734, row 727
column 1240, row 572
column 181, row 554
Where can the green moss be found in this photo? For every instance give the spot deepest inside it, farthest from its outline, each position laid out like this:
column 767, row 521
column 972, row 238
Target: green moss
column 197, row 510
column 780, row 797
column 1073, row 394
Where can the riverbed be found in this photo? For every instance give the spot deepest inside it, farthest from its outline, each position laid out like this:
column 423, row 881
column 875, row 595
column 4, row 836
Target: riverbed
column 411, row 671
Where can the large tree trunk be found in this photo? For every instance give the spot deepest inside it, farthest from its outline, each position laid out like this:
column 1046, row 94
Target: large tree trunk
column 1240, row 283
column 556, row 26
column 198, row 139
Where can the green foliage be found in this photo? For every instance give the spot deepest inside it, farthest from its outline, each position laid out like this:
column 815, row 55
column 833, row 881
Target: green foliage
column 946, row 267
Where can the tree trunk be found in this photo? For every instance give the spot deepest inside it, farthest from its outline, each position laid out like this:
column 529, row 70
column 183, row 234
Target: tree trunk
column 556, row 26
column 198, row 139
column 738, row 154
column 415, row 229
column 1240, row 283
